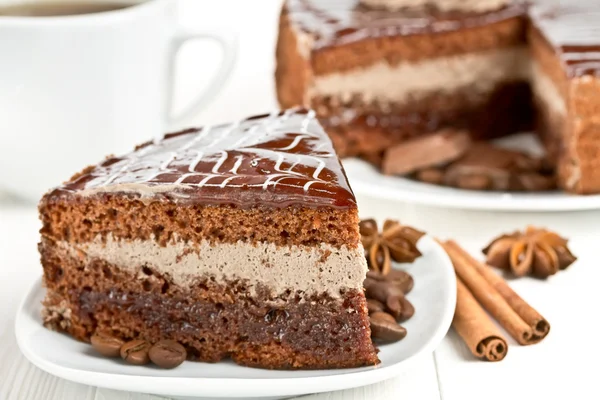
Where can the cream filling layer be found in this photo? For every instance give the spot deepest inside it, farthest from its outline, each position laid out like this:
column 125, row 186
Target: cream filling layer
column 409, row 81
column 443, row 5
column 310, row 269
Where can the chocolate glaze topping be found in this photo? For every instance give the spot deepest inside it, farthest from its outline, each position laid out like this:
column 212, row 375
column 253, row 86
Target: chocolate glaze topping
column 273, row 160
column 338, row 22
column 573, row 29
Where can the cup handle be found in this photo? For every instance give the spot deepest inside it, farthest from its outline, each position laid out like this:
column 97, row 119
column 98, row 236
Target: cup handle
column 229, row 44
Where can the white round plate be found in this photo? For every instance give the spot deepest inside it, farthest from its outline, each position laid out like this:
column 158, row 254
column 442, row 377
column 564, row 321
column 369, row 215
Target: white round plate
column 434, row 298
column 366, row 179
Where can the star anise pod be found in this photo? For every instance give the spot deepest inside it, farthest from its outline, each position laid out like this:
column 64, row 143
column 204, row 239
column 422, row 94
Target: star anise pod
column 396, row 242
column 536, row 251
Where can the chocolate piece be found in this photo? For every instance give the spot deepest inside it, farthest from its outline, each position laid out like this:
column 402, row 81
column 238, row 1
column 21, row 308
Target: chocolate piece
column 425, row 151
column 486, row 166
column 273, row 160
column 167, row 354
column 533, row 182
column 434, row 176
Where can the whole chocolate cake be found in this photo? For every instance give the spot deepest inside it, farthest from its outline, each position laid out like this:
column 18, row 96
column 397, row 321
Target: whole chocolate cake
column 238, row 240
column 379, row 72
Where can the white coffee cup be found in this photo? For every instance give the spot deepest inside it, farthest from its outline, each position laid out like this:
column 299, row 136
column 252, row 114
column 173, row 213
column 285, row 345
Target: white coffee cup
column 76, row 88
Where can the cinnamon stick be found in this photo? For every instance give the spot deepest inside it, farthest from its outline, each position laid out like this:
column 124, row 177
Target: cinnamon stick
column 534, row 319
column 490, row 298
column 475, row 327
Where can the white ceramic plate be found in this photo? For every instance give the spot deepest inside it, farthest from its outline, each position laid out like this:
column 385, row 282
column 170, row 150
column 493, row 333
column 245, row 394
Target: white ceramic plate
column 433, row 296
column 366, row 179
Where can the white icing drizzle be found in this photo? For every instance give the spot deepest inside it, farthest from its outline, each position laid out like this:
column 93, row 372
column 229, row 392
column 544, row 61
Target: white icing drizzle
column 148, row 170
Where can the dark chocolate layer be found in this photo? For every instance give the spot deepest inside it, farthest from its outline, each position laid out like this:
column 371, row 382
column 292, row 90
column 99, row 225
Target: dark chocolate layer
column 273, row 160
column 338, row 22
column 572, row 29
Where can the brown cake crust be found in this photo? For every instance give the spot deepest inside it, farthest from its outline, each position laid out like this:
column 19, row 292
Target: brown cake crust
column 212, row 321
column 80, row 219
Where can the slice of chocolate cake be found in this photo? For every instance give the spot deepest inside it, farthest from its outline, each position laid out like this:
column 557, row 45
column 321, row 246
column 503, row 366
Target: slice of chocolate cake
column 238, row 240
column 565, row 43
column 379, row 71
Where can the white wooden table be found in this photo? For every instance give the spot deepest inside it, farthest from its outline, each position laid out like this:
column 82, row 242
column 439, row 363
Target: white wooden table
column 561, row 366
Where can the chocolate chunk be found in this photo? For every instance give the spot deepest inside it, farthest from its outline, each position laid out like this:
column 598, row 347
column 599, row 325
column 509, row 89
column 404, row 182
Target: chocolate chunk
column 167, row 354
column 385, row 329
column 105, row 344
column 136, row 352
column 487, row 167
column 425, row 151
column 533, row 182
column 478, row 181
column 434, row 176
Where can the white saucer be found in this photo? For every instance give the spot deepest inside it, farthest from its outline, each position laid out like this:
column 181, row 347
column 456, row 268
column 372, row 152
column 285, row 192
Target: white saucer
column 433, row 296
column 366, row 179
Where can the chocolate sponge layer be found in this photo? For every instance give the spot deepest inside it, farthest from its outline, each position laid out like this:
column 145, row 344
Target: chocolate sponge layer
column 213, row 321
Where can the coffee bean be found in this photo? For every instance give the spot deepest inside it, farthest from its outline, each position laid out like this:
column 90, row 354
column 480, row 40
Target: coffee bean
column 380, row 290
column 375, row 275
column 407, row 310
column 401, row 279
column 167, row 354
column 107, row 345
column 385, row 329
column 393, row 305
column 374, row 306
column 136, row 352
